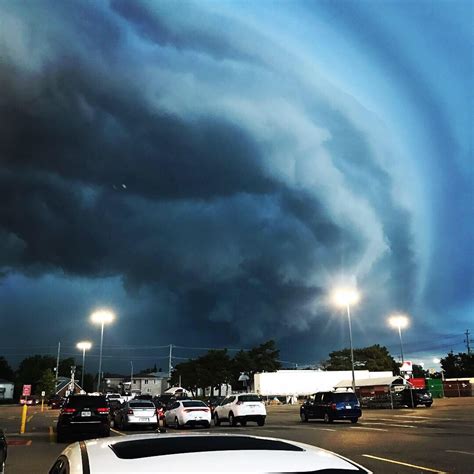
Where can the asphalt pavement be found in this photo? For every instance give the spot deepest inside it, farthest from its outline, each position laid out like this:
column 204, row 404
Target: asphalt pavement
column 437, row 439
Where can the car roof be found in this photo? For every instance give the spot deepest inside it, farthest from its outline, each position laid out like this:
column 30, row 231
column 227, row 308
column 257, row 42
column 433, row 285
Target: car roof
column 209, row 452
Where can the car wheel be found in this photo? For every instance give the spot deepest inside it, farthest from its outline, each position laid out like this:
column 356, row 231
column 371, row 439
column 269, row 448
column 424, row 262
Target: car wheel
column 217, row 421
column 354, row 420
column 106, row 432
column 327, row 418
column 243, row 423
column 176, row 422
column 304, row 417
column 207, row 425
column 261, row 421
column 428, row 405
column 232, row 420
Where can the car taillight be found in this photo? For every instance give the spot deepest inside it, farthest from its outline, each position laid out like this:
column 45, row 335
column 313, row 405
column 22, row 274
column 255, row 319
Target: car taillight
column 159, row 411
column 130, row 411
column 69, row 411
column 239, row 403
column 103, row 410
column 333, row 406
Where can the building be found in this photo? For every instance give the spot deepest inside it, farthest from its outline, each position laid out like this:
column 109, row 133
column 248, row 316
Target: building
column 6, row 389
column 306, row 382
column 65, row 387
column 154, row 383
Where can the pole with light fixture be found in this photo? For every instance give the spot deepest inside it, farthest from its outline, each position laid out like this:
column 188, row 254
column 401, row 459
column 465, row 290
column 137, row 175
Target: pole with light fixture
column 101, row 317
column 345, row 297
column 84, row 346
column 399, row 321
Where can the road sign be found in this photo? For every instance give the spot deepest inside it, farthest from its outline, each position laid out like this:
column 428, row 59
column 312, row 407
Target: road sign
column 43, row 393
column 407, row 366
column 26, row 390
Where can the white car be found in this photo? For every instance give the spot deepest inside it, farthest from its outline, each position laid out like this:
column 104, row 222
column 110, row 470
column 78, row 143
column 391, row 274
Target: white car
column 197, row 452
column 136, row 413
column 114, row 396
column 240, row 409
column 188, row 412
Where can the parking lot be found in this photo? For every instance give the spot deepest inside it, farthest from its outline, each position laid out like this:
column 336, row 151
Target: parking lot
column 437, row 439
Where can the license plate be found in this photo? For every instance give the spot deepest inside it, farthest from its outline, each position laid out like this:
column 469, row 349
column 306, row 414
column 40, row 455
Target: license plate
column 348, row 407
column 144, row 419
column 86, row 413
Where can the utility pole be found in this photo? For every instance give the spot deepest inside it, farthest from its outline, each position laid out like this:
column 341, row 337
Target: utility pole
column 57, row 362
column 170, row 365
column 468, row 341
column 131, row 376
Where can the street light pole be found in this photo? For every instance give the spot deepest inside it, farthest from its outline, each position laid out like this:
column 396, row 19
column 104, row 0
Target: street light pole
column 352, row 348
column 84, row 346
column 401, row 343
column 100, row 355
column 101, row 317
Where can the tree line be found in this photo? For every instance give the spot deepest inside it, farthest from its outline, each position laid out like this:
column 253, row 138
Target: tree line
column 217, row 368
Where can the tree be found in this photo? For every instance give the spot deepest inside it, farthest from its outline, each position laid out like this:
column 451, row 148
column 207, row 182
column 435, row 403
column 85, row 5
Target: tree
column 372, row 358
column 32, row 368
column 65, row 367
column 46, row 383
column 6, row 371
column 458, row 365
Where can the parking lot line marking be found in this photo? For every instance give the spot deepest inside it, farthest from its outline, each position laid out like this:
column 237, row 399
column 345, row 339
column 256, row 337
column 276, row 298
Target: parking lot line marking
column 388, row 424
column 118, row 432
column 29, row 418
column 51, row 434
column 29, row 442
column 460, row 452
column 366, row 428
column 404, row 464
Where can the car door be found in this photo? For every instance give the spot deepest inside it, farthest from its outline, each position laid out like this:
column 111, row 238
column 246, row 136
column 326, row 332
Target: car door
column 319, row 401
column 220, row 409
column 170, row 414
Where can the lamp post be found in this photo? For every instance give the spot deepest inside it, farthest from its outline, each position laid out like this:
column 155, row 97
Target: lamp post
column 101, row 317
column 344, row 298
column 84, row 346
column 399, row 321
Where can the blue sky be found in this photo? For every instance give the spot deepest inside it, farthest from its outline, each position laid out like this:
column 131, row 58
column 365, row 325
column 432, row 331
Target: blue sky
column 213, row 172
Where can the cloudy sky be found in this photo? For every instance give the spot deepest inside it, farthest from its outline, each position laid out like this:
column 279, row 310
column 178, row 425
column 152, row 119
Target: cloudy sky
column 211, row 170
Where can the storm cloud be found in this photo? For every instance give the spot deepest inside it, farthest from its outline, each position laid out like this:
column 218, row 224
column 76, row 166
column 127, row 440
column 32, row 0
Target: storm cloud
column 201, row 165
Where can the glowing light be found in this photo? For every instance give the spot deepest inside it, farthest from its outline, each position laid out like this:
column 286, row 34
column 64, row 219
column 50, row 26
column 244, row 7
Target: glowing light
column 345, row 296
column 399, row 321
column 84, row 345
column 436, row 360
column 103, row 316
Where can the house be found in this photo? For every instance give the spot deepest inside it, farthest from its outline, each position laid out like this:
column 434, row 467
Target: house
column 6, row 389
column 154, row 383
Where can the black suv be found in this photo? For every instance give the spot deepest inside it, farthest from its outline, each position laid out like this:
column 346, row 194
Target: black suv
column 331, row 406
column 83, row 414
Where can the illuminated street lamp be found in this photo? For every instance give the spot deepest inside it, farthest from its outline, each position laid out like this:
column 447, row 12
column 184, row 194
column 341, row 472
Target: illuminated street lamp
column 344, row 298
column 399, row 321
column 101, row 317
column 83, row 346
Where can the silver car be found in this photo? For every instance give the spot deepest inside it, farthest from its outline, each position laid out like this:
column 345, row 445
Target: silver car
column 136, row 413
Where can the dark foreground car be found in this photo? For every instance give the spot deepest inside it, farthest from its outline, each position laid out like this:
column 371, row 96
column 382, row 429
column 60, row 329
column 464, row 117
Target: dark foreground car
column 414, row 397
column 3, row 451
column 199, row 453
column 83, row 415
column 330, row 406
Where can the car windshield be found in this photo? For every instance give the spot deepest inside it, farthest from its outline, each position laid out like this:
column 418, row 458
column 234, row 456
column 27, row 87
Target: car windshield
column 344, row 397
column 143, row 404
column 249, row 398
column 194, row 404
column 86, row 401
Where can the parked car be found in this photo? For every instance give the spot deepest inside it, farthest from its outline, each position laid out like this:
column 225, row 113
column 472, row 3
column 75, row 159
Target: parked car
column 212, row 402
column 56, row 402
column 331, row 406
column 414, row 397
column 83, row 414
column 3, row 451
column 241, row 409
column 198, row 452
column 31, row 400
column 188, row 413
column 136, row 413
column 114, row 396
column 114, row 406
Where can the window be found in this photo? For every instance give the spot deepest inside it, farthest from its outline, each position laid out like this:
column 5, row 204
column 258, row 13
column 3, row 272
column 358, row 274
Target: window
column 194, row 404
column 134, row 381
column 249, row 398
column 146, row 382
column 318, row 397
